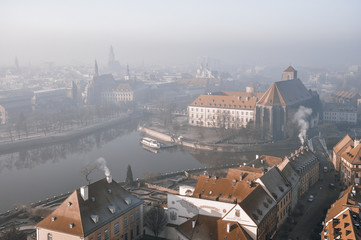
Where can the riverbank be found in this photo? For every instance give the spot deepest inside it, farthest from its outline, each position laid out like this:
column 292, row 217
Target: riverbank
column 57, row 137
column 194, row 144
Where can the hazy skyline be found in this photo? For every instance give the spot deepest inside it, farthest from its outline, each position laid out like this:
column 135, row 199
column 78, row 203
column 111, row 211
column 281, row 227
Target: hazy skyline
column 168, row 32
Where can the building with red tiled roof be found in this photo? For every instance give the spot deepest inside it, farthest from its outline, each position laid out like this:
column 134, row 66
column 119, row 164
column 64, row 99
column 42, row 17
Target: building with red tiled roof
column 350, row 170
column 101, row 210
column 242, row 204
column 343, row 145
column 244, row 173
column 343, row 218
column 223, row 109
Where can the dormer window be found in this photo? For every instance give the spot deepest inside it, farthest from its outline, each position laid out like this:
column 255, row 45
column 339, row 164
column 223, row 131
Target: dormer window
column 71, row 225
column 69, row 204
column 53, row 218
column 112, row 209
column 95, row 218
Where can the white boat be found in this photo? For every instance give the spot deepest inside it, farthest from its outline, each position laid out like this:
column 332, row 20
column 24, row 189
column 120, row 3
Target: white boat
column 150, row 142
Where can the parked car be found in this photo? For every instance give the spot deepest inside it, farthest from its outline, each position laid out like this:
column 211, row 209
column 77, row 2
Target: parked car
column 310, row 198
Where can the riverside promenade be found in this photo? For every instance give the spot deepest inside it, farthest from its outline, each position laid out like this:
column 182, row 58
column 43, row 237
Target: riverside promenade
column 55, row 137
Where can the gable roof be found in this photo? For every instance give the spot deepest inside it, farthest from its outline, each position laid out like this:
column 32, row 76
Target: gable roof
column 283, row 93
column 341, row 146
column 289, row 173
column 257, row 204
column 244, row 173
column 212, row 228
column 290, row 69
column 222, row 189
column 353, row 156
column 275, row 183
column 74, row 210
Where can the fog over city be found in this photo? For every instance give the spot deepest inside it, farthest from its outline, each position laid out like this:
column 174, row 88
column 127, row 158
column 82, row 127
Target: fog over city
column 318, row 33
column 192, row 119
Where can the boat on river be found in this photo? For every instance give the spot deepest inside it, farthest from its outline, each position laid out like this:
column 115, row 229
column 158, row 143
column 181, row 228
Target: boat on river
column 149, row 142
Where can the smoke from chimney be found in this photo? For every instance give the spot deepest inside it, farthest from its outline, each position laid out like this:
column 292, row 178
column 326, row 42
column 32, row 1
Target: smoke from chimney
column 103, row 166
column 301, row 119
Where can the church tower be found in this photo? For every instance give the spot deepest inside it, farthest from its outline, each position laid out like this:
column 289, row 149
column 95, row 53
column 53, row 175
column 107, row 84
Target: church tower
column 289, row 74
column 111, row 57
column 127, row 76
column 96, row 72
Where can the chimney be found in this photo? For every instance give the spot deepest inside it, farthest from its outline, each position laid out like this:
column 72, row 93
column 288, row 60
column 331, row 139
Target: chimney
column 84, row 192
column 253, row 165
column 228, row 227
column 109, row 179
column 356, row 142
column 193, row 223
column 257, row 156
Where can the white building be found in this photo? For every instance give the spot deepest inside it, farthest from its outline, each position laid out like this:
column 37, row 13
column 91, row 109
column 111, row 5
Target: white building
column 340, row 113
column 122, row 94
column 223, row 110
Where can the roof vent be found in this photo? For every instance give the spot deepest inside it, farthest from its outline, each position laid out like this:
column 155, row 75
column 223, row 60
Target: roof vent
column 53, row 218
column 128, row 201
column 95, row 218
column 112, row 209
column 71, row 225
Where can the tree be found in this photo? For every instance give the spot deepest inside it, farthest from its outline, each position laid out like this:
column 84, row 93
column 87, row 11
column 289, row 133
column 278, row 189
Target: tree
column 129, row 179
column 156, row 219
column 12, row 233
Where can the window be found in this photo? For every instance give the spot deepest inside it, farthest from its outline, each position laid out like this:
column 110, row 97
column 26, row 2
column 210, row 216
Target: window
column 125, row 221
column 131, row 218
column 131, row 234
column 237, row 213
column 106, row 234
column 137, row 214
column 116, row 227
column 126, row 236
column 99, row 236
column 138, row 231
column 50, row 237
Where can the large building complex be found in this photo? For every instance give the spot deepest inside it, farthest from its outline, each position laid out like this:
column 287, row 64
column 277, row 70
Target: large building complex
column 272, row 112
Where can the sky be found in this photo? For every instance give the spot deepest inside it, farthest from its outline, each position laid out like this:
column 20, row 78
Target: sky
column 252, row 32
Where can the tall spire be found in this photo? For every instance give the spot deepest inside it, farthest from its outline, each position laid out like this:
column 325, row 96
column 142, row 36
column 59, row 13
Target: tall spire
column 96, row 73
column 111, row 55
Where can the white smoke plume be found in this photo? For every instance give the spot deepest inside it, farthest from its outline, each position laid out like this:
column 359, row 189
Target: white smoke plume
column 301, row 119
column 103, row 166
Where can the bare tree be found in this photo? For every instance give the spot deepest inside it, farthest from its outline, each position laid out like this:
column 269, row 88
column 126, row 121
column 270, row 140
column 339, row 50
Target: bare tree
column 12, row 233
column 156, row 219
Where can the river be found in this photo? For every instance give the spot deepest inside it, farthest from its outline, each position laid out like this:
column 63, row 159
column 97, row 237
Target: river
column 34, row 174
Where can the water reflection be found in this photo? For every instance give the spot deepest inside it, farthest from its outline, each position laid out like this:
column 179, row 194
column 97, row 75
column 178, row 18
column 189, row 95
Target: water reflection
column 30, row 158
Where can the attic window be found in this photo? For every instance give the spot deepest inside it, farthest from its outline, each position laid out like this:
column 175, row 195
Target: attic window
column 281, row 188
column 53, row 219
column 92, row 199
column 95, row 218
column 265, row 204
column 269, row 200
column 112, row 209
column 128, row 201
column 109, row 190
column 69, row 204
column 71, row 225
column 259, row 211
column 255, row 216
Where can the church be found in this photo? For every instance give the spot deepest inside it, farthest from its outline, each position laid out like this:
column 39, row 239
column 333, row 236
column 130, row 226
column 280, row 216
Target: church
column 275, row 110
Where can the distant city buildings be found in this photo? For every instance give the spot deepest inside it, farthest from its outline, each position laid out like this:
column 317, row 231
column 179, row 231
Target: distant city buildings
column 105, row 89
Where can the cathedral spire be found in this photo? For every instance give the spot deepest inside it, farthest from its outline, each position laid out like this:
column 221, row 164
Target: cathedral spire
column 96, row 73
column 111, row 58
